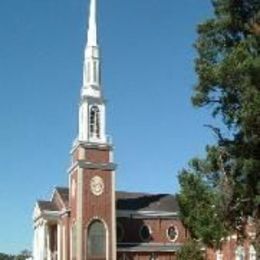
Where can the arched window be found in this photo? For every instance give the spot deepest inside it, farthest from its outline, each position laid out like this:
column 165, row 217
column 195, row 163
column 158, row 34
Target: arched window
column 96, row 241
column 94, row 122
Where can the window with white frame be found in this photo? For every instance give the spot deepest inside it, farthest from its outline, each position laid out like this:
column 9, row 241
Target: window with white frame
column 252, row 253
column 219, row 255
column 145, row 233
column 172, row 233
column 240, row 253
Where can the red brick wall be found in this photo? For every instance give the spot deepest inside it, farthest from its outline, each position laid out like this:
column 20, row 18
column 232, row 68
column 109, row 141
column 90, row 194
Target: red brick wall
column 99, row 156
column 65, row 224
column 97, row 206
column 146, row 256
column 158, row 227
column 93, row 206
column 95, row 155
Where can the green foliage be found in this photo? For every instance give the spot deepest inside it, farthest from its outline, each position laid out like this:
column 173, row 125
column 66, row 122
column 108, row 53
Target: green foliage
column 232, row 89
column 198, row 206
column 25, row 254
column 22, row 256
column 6, row 257
column 228, row 69
column 191, row 250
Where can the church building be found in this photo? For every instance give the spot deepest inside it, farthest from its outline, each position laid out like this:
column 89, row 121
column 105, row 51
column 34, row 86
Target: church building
column 89, row 219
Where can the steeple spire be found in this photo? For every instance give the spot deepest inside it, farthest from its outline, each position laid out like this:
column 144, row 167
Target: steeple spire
column 92, row 29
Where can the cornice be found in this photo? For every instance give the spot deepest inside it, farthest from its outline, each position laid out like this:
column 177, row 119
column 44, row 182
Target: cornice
column 83, row 164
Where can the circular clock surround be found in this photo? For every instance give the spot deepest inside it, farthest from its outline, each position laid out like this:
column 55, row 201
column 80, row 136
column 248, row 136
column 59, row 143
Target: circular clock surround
column 97, row 185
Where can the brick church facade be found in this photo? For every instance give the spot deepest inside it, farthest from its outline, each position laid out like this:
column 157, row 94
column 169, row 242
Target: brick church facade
column 90, row 220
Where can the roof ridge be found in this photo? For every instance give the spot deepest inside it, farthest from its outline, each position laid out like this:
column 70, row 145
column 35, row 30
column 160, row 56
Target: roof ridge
column 43, row 201
column 61, row 187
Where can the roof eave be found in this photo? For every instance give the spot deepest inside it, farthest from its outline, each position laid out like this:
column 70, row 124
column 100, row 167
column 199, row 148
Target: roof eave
column 146, row 214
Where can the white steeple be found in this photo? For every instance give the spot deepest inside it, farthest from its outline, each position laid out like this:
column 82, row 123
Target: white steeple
column 92, row 23
column 91, row 73
column 92, row 107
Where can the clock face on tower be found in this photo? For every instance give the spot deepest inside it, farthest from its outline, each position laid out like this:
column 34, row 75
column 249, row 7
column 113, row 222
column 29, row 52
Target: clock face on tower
column 97, row 185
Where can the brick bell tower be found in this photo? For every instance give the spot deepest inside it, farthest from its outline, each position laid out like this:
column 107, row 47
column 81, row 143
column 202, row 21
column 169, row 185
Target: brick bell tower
column 92, row 173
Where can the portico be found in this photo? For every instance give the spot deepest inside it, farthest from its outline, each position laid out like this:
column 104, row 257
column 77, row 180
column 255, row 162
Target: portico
column 47, row 229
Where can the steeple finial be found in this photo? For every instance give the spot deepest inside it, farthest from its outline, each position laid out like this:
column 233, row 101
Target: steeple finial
column 92, row 29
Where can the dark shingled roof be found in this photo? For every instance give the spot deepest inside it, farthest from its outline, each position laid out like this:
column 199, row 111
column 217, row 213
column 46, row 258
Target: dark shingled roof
column 47, row 205
column 64, row 193
column 146, row 202
column 126, row 201
column 52, row 205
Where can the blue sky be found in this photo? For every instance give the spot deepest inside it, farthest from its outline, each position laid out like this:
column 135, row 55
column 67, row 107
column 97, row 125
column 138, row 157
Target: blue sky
column 148, row 76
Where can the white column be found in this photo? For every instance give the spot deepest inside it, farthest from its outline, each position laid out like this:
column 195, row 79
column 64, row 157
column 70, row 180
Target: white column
column 47, row 250
column 83, row 121
column 42, row 242
column 59, row 252
column 39, row 247
column 64, row 243
column 35, row 243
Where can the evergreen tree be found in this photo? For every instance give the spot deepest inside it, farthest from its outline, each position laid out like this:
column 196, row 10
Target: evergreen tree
column 191, row 250
column 198, row 203
column 228, row 69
